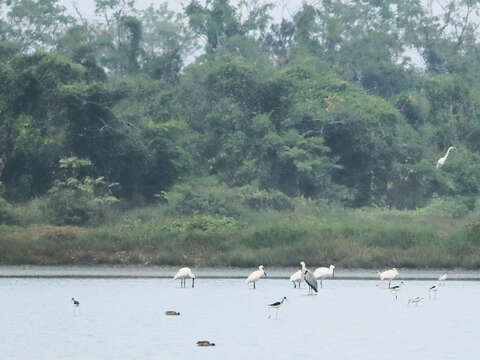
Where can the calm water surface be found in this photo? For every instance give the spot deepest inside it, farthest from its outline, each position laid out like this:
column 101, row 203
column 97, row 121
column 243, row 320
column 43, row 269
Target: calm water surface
column 124, row 319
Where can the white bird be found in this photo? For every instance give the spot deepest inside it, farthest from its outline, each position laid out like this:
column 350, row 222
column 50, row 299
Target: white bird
column 298, row 276
column 276, row 305
column 415, row 300
column 434, row 288
column 388, row 275
column 182, row 274
column 396, row 289
column 256, row 275
column 322, row 272
column 442, row 278
column 442, row 160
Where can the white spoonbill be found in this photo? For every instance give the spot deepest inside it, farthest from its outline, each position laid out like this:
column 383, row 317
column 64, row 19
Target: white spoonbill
column 256, row 275
column 323, row 272
column 442, row 278
column 388, row 275
column 298, row 276
column 182, row 274
column 442, row 160
column 415, row 300
column 276, row 305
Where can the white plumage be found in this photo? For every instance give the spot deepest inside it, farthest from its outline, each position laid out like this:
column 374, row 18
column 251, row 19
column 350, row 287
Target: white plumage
column 415, row 300
column 182, row 274
column 442, row 160
column 388, row 275
column 298, row 276
column 323, row 272
column 256, row 275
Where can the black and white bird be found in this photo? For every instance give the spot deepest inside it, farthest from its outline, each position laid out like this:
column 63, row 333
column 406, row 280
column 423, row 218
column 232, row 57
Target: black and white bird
column 75, row 302
column 396, row 289
column 276, row 305
column 433, row 289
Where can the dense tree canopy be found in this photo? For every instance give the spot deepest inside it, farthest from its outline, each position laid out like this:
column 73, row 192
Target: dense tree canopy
column 327, row 104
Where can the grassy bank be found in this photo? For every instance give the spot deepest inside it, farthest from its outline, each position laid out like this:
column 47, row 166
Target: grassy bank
column 368, row 238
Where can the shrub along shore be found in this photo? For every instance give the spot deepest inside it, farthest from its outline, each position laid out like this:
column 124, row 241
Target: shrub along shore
column 436, row 236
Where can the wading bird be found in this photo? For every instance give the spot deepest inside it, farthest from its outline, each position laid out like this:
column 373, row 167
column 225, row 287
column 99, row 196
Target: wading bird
column 276, row 305
column 256, row 275
column 298, row 276
column 323, row 272
column 442, row 278
column 396, row 289
column 76, row 302
column 170, row 312
column 415, row 300
column 433, row 289
column 442, row 160
column 205, row 343
column 311, row 281
column 388, row 275
column 182, row 274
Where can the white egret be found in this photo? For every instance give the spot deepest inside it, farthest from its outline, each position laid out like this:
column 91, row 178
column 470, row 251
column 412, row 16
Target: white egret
column 442, row 160
column 323, row 272
column 415, row 300
column 256, row 275
column 182, row 274
column 276, row 305
column 388, row 275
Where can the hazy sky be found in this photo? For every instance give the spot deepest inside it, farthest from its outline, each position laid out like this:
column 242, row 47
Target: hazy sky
column 284, row 8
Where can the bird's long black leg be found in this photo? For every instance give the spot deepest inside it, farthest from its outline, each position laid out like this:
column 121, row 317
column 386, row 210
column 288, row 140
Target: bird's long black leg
column 254, row 284
column 321, row 283
column 193, row 282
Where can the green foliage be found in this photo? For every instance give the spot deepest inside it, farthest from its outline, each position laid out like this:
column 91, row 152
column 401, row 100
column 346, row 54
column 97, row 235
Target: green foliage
column 78, row 201
column 7, row 214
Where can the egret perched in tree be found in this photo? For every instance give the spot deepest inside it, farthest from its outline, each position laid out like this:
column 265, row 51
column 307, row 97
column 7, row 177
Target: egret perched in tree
column 298, row 276
column 322, row 272
column 442, row 160
column 388, row 275
column 256, row 275
column 182, row 274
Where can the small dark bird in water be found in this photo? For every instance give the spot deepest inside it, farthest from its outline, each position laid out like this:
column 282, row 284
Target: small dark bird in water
column 75, row 302
column 169, row 312
column 205, row 343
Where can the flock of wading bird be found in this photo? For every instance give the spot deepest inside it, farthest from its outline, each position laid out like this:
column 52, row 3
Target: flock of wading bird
column 310, row 278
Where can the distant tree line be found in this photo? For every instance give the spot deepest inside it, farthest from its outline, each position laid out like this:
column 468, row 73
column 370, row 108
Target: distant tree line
column 325, row 105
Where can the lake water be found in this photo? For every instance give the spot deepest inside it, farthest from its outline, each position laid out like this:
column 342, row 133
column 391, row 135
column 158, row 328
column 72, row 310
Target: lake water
column 124, row 319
